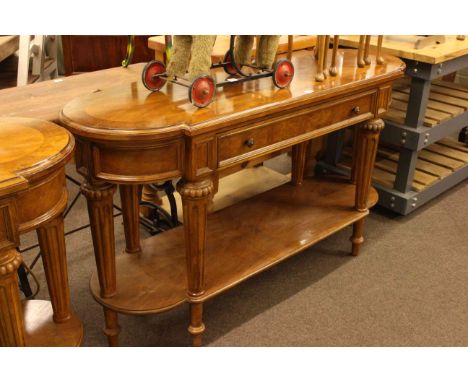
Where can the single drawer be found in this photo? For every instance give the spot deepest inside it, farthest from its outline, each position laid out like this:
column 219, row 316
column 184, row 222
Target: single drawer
column 247, row 142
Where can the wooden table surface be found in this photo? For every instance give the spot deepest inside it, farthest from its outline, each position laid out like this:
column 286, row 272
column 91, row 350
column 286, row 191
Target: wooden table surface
column 403, row 46
column 131, row 110
column 45, row 100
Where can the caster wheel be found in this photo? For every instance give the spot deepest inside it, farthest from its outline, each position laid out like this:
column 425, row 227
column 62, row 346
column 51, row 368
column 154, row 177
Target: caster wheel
column 150, row 77
column 283, row 73
column 230, row 67
column 202, row 91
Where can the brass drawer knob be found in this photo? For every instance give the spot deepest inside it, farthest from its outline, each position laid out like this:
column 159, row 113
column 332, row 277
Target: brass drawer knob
column 249, row 142
column 356, row 110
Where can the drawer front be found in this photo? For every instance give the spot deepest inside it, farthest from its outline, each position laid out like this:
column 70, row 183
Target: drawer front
column 242, row 144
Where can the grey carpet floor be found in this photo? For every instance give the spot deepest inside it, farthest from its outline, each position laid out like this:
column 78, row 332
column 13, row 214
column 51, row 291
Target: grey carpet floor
column 408, row 287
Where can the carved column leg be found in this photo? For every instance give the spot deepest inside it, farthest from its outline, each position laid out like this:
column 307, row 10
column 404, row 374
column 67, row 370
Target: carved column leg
column 130, row 198
column 365, row 152
column 298, row 160
column 11, row 312
column 99, row 196
column 51, row 239
column 195, row 199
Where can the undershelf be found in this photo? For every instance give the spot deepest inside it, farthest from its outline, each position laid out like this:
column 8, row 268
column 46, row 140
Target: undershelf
column 446, row 101
column 242, row 240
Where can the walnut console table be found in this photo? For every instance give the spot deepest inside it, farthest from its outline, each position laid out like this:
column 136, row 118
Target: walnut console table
column 128, row 136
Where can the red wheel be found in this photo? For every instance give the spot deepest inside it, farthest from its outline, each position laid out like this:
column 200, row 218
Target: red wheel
column 202, row 91
column 150, row 77
column 283, row 73
column 229, row 68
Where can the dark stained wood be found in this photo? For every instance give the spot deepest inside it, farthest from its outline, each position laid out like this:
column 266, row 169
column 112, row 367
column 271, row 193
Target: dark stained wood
column 89, row 53
column 33, row 196
column 127, row 135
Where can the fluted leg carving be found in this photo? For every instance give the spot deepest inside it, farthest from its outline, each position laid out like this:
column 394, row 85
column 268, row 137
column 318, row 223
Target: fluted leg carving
column 11, row 313
column 130, row 198
column 195, row 199
column 51, row 239
column 100, row 209
column 365, row 150
column 99, row 196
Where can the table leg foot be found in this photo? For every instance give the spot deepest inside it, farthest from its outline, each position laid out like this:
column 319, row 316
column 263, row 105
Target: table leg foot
column 112, row 328
column 357, row 238
column 196, row 327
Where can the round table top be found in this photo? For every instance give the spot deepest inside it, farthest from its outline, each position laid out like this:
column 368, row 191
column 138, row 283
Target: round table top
column 30, row 146
column 131, row 111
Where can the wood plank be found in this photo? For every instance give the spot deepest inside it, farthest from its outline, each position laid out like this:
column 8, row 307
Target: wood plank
column 243, row 242
column 448, row 152
column 431, row 104
column 451, row 92
column 441, row 160
column 395, row 116
column 450, row 142
column 450, row 85
column 444, row 98
column 419, row 176
column 431, row 114
column 404, row 46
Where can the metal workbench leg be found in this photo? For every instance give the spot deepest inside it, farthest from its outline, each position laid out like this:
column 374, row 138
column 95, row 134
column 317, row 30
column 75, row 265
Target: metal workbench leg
column 418, row 97
column 405, row 170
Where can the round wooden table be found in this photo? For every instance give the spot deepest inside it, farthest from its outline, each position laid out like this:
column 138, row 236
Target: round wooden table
column 33, row 196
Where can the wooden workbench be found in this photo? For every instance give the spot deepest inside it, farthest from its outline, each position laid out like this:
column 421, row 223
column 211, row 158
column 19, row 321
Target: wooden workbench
column 404, row 47
column 418, row 159
column 128, row 136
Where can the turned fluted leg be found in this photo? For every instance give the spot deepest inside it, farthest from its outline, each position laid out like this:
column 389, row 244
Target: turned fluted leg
column 365, row 152
column 298, row 159
column 130, row 198
column 196, row 197
column 99, row 196
column 11, row 312
column 51, row 239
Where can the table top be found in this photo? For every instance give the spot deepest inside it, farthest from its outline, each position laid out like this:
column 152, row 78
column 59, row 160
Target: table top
column 45, row 100
column 130, row 110
column 30, row 146
column 403, row 46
